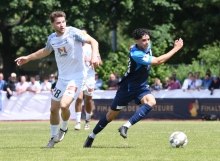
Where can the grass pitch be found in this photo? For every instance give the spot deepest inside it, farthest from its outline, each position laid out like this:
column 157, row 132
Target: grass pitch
column 147, row 140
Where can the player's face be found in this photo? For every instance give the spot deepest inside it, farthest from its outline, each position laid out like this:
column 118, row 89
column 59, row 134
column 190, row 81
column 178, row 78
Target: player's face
column 144, row 42
column 59, row 25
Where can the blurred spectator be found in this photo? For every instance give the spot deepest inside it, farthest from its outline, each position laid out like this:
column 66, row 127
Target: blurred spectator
column 11, row 86
column 52, row 79
column 174, row 75
column 206, row 82
column 192, row 84
column 187, row 81
column 157, row 85
column 98, row 83
column 22, row 86
column 34, row 86
column 173, row 84
column 215, row 84
column 117, row 76
column 112, row 82
column 37, row 78
column 198, row 80
column 166, row 83
column 208, row 71
column 54, row 84
column 46, row 85
column 3, row 83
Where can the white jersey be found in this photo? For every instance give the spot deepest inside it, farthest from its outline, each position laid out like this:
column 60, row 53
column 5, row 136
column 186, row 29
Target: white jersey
column 68, row 53
column 87, row 51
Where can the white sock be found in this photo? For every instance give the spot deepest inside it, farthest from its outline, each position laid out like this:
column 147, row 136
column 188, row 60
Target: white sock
column 64, row 125
column 78, row 117
column 53, row 130
column 88, row 116
column 127, row 124
column 92, row 135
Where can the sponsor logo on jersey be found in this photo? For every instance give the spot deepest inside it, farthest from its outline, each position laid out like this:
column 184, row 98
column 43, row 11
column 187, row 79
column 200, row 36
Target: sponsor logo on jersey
column 146, row 58
column 90, row 89
column 62, row 51
column 72, row 88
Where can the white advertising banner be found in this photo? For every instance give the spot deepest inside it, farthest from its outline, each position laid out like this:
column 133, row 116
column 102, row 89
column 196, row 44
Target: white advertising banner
column 30, row 106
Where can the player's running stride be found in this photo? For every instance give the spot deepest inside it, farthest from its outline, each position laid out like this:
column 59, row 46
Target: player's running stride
column 134, row 84
column 66, row 42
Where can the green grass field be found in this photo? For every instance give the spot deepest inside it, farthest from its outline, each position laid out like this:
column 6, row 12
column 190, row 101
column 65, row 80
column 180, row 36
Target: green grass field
column 147, row 140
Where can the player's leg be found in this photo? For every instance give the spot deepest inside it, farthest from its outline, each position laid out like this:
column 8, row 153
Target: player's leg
column 146, row 106
column 54, row 122
column 119, row 102
column 72, row 91
column 89, row 107
column 100, row 126
column 78, row 109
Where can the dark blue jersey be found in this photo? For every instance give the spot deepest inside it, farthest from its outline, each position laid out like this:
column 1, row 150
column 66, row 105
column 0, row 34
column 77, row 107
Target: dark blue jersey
column 138, row 69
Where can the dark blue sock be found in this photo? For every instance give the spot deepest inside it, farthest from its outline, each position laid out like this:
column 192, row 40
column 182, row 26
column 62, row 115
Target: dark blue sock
column 140, row 113
column 100, row 125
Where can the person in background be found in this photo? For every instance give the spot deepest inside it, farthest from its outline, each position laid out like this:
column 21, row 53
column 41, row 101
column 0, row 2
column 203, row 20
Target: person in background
column 3, row 83
column 51, row 79
column 98, row 83
column 173, row 84
column 157, row 85
column 187, row 81
column 54, row 84
column 11, row 86
column 37, row 78
column 166, row 83
column 192, row 85
column 215, row 84
column 34, row 86
column 22, row 86
column 117, row 76
column 174, row 75
column 206, row 82
column 112, row 82
column 46, row 85
column 198, row 80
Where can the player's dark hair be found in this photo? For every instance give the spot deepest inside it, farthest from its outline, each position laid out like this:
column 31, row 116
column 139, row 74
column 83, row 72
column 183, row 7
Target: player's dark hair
column 139, row 33
column 56, row 14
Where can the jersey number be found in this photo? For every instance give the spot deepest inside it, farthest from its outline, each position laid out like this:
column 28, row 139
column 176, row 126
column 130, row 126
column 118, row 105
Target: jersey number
column 56, row 92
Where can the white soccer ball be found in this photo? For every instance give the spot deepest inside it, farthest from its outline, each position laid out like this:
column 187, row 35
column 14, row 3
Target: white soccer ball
column 178, row 139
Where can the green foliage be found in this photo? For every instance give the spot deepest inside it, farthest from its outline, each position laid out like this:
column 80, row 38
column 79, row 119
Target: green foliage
column 115, row 62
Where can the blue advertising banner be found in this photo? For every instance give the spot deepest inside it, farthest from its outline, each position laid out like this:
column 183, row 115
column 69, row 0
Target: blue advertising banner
column 166, row 108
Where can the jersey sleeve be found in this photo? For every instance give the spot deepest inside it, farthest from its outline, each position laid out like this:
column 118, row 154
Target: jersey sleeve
column 48, row 45
column 141, row 57
column 78, row 34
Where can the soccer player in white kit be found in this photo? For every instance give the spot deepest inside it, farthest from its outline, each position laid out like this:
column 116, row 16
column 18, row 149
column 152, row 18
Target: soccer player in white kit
column 87, row 90
column 66, row 43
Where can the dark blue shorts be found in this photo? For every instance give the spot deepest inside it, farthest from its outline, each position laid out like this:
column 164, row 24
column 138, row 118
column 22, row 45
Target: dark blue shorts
column 123, row 97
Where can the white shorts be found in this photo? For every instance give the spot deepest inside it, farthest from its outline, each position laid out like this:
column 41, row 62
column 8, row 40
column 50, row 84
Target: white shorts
column 88, row 88
column 71, row 88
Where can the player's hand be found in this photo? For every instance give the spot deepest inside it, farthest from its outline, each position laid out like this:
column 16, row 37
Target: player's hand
column 178, row 43
column 21, row 60
column 94, row 62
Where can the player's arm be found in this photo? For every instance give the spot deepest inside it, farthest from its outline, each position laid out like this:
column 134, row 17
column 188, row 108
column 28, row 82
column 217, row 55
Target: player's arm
column 94, row 44
column 36, row 55
column 178, row 44
column 99, row 58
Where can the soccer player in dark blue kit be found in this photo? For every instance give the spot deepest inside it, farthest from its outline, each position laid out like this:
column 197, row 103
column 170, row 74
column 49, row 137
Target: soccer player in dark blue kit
column 134, row 85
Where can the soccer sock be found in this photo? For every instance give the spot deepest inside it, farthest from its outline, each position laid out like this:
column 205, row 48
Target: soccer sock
column 78, row 117
column 140, row 113
column 92, row 135
column 64, row 125
column 127, row 124
column 88, row 116
column 53, row 130
column 100, row 125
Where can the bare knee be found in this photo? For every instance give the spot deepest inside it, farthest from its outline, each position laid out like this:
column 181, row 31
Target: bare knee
column 54, row 110
column 111, row 115
column 64, row 106
column 152, row 103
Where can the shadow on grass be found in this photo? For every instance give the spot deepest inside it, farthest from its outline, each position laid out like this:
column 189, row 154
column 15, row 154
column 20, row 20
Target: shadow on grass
column 120, row 147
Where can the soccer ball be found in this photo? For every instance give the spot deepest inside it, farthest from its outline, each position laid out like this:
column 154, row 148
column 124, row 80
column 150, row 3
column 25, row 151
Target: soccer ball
column 178, row 139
